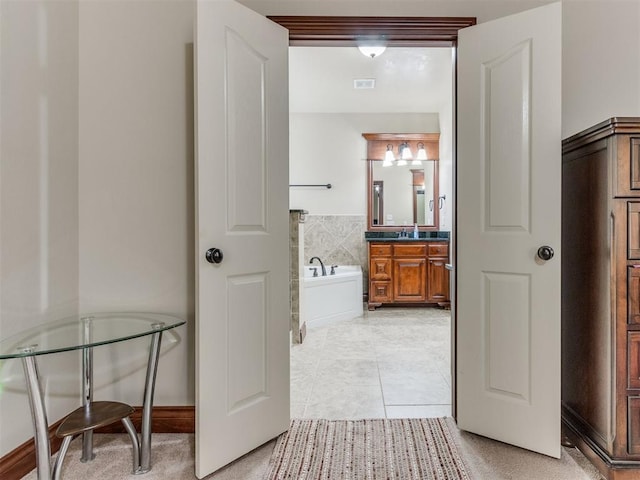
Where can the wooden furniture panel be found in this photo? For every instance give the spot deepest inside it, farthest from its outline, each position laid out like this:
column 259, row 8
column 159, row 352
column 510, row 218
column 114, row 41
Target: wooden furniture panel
column 635, row 163
column 410, row 280
column 633, row 361
column 439, row 250
column 380, row 292
column 378, row 250
column 410, row 250
column 380, row 268
column 633, row 230
column 601, row 295
column 438, row 280
column 405, row 273
column 633, row 294
column 634, row 425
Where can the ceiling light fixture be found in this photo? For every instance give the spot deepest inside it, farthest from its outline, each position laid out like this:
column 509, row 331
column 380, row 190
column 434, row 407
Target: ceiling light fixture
column 371, row 50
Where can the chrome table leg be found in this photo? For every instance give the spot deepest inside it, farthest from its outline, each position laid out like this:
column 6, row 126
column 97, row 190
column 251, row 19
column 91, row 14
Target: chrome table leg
column 39, row 416
column 87, row 390
column 149, row 386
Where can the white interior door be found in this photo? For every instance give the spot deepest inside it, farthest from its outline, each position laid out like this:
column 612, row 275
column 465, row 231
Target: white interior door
column 242, row 208
column 509, row 172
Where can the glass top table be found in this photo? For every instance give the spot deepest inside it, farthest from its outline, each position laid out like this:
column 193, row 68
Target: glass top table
column 84, row 332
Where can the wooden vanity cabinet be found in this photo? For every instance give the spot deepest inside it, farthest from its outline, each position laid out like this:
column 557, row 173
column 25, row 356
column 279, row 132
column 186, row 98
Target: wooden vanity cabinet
column 410, row 272
column 601, row 295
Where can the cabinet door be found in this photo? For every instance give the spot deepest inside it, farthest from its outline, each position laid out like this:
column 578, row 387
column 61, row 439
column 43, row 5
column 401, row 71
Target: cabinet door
column 438, row 281
column 409, row 279
column 380, row 268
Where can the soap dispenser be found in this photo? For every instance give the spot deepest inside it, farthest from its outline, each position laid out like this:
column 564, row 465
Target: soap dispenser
column 415, row 231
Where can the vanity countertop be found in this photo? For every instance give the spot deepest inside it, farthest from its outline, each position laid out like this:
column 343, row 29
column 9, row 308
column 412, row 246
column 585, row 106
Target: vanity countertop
column 393, row 237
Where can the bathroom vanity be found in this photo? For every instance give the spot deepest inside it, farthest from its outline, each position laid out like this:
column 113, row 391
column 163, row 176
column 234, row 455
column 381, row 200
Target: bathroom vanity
column 403, row 201
column 408, row 271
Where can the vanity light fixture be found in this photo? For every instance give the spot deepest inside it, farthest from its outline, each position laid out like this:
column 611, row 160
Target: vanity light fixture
column 406, row 151
column 388, row 156
column 405, row 154
column 421, row 155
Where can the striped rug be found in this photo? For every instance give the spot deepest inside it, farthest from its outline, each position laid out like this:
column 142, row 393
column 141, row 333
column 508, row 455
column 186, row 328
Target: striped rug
column 378, row 449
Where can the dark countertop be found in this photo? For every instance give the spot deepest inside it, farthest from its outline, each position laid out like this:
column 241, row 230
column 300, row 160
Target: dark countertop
column 393, row 237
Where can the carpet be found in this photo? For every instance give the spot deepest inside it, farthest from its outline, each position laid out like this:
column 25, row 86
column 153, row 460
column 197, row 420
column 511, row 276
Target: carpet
column 378, row 449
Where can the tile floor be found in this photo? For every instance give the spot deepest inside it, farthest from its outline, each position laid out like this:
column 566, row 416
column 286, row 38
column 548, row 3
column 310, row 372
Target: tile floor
column 391, row 362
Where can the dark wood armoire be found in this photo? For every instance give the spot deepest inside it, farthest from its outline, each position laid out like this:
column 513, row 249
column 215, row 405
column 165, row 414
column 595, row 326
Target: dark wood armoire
column 601, row 295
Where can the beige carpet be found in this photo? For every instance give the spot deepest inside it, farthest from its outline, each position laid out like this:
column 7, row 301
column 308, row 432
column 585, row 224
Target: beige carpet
column 173, row 459
column 376, row 449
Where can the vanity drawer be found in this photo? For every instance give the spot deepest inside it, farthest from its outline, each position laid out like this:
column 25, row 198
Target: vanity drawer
column 378, row 250
column 380, row 292
column 439, row 250
column 380, row 268
column 412, row 250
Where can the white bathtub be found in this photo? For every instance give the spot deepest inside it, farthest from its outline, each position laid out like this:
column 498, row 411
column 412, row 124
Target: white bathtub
column 332, row 297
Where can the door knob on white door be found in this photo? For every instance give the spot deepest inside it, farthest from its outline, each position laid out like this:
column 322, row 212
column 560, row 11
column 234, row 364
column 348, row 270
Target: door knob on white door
column 545, row 253
column 214, row 255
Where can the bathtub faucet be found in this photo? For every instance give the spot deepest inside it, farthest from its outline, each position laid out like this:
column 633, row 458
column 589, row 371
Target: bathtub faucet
column 324, row 270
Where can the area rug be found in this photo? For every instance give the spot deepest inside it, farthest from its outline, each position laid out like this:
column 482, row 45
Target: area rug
column 378, row 449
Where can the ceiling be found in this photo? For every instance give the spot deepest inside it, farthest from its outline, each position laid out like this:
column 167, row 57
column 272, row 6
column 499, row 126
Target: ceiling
column 408, row 80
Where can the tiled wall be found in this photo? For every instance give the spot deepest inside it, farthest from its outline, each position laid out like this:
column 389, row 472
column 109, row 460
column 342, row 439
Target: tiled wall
column 337, row 240
column 296, row 234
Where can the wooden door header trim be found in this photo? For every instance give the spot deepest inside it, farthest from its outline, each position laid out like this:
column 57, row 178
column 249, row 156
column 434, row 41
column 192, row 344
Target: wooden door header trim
column 396, row 31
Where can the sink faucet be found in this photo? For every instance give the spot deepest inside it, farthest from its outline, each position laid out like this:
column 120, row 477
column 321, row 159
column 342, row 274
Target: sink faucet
column 324, row 271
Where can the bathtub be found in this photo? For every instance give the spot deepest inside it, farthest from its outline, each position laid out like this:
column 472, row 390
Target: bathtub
column 332, row 297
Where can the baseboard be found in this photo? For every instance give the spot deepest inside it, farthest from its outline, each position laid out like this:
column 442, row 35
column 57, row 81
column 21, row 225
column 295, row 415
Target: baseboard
column 20, row 461
column 164, row 420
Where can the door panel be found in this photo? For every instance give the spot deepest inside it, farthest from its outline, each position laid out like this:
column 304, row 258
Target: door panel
column 242, row 303
column 506, row 102
column 509, row 172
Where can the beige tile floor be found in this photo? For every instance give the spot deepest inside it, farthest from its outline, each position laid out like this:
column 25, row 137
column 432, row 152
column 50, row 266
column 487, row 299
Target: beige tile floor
column 391, row 362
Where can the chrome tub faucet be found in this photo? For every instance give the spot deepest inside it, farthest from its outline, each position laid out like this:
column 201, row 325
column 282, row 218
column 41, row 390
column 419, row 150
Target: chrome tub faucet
column 324, row 270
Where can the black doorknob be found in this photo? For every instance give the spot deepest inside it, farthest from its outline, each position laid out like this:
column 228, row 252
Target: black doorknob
column 214, row 255
column 545, row 253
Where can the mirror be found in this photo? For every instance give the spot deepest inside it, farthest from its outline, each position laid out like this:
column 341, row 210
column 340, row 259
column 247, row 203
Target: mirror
column 402, row 195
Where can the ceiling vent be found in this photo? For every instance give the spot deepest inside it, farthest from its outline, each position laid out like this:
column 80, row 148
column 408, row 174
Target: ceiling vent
column 360, row 83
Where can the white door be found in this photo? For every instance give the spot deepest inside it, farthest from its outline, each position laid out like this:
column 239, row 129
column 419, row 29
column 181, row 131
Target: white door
column 509, row 169
column 242, row 208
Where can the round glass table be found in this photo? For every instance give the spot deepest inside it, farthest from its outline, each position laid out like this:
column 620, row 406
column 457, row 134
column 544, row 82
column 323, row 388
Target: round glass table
column 84, row 332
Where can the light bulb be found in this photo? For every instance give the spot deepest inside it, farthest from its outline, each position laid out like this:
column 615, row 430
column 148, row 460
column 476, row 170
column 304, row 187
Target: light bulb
column 388, row 156
column 422, row 153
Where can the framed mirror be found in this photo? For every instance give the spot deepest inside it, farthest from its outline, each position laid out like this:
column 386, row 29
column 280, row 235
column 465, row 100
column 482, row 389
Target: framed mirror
column 402, row 193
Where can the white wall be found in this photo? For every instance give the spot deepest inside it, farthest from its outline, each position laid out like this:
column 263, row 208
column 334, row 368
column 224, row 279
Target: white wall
column 38, row 197
column 600, row 62
column 330, row 148
column 136, row 183
column 446, row 159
